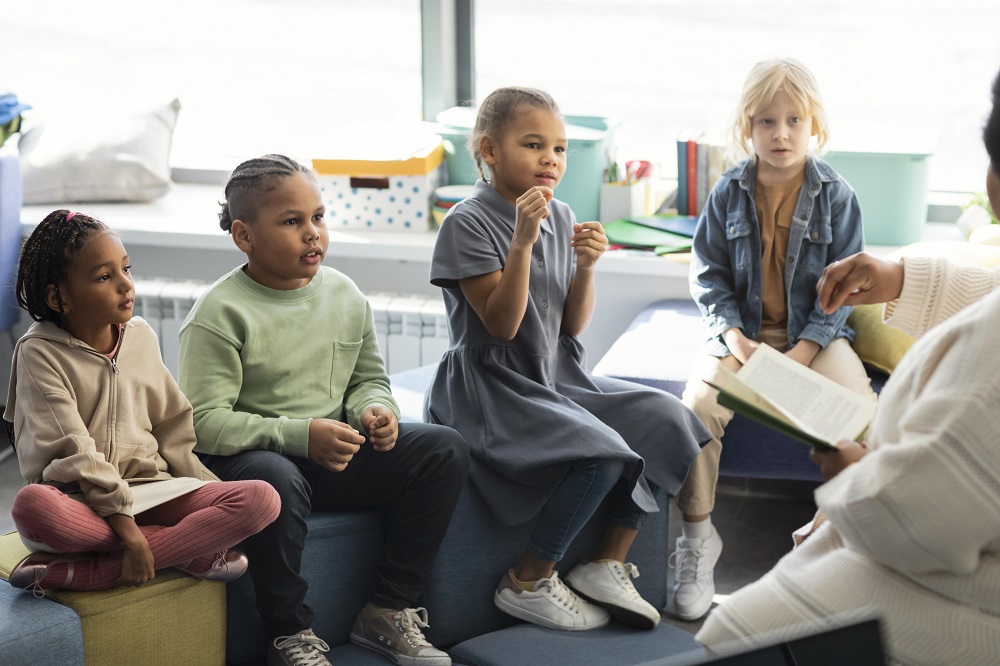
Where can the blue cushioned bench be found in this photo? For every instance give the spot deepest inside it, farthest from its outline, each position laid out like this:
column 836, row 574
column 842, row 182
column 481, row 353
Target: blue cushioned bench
column 342, row 547
column 658, row 349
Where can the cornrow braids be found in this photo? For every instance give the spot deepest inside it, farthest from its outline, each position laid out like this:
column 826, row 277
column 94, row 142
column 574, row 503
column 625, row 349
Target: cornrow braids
column 248, row 180
column 498, row 110
column 46, row 257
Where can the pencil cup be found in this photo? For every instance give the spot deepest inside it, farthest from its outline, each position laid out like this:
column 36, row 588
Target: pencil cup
column 620, row 200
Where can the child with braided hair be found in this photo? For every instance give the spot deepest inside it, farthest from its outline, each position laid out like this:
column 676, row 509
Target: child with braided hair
column 281, row 363
column 104, row 436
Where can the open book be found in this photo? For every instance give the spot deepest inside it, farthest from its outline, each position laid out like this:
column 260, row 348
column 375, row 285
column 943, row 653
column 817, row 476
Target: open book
column 794, row 400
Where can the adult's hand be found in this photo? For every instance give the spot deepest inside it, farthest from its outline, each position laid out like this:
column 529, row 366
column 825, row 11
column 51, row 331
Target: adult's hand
column 859, row 279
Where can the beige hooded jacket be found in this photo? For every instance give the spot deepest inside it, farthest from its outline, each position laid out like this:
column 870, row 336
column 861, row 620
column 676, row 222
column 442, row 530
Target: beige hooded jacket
column 86, row 424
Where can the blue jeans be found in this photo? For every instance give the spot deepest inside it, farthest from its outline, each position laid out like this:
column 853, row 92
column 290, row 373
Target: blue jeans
column 574, row 502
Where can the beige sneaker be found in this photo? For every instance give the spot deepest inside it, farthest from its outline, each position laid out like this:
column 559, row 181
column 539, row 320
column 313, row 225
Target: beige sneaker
column 397, row 636
column 301, row 649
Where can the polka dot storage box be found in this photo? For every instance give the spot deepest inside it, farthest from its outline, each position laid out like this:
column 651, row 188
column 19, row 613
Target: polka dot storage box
column 385, row 185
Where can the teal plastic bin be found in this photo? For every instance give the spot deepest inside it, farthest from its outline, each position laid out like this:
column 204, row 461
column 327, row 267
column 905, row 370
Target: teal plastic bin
column 887, row 167
column 589, row 142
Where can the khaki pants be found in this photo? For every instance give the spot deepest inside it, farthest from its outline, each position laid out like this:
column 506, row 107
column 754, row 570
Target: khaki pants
column 837, row 362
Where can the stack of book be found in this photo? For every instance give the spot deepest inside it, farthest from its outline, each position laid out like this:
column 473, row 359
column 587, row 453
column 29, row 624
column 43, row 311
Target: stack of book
column 700, row 162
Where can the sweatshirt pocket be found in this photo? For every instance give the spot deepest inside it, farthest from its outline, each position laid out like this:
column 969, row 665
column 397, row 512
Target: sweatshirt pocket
column 345, row 358
column 135, row 462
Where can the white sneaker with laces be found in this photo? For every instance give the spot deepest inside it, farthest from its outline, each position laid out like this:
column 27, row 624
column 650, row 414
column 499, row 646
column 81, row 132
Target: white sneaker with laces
column 549, row 604
column 302, row 649
column 694, row 584
column 610, row 585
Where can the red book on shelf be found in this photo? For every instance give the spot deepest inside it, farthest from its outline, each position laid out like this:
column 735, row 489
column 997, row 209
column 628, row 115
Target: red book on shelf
column 692, row 177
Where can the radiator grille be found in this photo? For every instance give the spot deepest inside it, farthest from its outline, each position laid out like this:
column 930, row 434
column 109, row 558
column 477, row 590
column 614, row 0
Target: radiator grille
column 412, row 330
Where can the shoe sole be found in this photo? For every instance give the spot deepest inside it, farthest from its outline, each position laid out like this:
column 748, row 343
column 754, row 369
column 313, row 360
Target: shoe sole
column 692, row 617
column 395, row 657
column 623, row 615
column 522, row 614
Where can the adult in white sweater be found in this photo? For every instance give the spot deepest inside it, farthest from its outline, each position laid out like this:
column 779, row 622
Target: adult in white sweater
column 913, row 529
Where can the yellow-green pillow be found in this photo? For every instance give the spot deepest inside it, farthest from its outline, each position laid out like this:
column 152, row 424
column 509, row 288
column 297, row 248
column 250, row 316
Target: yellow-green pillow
column 881, row 346
column 877, row 344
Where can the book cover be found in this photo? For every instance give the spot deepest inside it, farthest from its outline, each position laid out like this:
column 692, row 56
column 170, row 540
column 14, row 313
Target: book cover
column 794, row 400
column 682, row 205
column 677, row 224
column 692, row 177
column 702, row 184
column 628, row 234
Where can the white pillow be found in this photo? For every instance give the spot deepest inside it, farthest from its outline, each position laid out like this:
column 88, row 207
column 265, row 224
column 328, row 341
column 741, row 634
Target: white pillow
column 106, row 155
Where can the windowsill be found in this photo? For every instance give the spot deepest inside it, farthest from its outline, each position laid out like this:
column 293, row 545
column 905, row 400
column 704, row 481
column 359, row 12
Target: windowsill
column 187, row 217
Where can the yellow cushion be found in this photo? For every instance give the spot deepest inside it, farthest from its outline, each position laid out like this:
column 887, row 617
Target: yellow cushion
column 882, row 346
column 175, row 619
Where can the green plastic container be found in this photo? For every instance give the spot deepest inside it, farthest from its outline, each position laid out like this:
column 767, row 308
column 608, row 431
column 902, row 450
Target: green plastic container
column 589, row 143
column 887, row 166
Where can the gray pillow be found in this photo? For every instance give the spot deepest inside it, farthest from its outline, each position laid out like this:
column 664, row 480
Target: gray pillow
column 114, row 155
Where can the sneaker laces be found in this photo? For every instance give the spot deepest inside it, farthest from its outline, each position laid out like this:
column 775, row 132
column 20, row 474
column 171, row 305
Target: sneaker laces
column 626, row 572
column 558, row 592
column 303, row 649
column 411, row 621
column 687, row 564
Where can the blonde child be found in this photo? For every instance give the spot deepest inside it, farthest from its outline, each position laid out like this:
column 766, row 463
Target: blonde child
column 769, row 227
column 281, row 363
column 104, row 436
column 550, row 441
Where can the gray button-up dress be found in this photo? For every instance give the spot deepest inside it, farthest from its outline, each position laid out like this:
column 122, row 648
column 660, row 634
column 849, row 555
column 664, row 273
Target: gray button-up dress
column 529, row 406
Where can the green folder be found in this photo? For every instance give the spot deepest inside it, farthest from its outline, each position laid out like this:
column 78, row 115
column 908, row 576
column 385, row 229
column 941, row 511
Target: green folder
column 629, row 234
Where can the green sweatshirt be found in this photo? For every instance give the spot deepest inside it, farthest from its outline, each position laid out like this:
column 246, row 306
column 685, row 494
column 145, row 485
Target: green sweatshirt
column 258, row 364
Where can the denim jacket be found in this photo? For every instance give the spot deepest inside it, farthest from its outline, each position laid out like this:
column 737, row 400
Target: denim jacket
column 726, row 260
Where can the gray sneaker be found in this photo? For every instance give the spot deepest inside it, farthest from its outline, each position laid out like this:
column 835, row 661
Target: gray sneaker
column 301, row 649
column 397, row 637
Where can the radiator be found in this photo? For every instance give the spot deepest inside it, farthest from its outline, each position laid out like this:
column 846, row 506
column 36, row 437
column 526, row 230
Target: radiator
column 412, row 330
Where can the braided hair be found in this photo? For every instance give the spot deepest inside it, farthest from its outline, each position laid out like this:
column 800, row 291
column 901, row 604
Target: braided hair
column 47, row 256
column 249, row 180
column 498, row 110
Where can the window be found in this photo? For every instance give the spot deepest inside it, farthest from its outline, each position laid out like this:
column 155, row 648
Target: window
column 666, row 66
column 253, row 76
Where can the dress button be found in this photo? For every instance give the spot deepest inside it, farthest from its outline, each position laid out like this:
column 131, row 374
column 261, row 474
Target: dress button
column 814, row 235
column 732, row 230
column 545, row 304
column 791, row 259
column 756, row 299
column 540, row 263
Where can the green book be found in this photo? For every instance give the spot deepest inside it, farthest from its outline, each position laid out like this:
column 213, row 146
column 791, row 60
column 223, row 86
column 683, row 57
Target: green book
column 629, row 234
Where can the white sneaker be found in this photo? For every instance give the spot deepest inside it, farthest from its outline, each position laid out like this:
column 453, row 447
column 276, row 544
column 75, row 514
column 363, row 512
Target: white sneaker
column 694, row 585
column 549, row 604
column 610, row 585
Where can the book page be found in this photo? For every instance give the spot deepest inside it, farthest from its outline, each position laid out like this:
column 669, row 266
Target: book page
column 826, row 408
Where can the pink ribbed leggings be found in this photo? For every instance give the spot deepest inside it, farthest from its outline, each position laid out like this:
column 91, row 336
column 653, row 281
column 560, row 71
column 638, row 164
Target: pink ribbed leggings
column 199, row 524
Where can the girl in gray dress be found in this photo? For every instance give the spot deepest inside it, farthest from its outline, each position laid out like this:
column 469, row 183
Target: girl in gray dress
column 548, row 439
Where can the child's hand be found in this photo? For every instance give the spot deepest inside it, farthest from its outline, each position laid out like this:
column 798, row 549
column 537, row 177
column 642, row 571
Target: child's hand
column 589, row 243
column 740, row 345
column 137, row 565
column 832, row 463
column 382, row 427
column 332, row 444
column 804, row 352
column 531, row 207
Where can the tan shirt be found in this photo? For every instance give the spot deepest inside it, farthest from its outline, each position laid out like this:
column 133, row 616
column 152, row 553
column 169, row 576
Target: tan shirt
column 775, row 205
